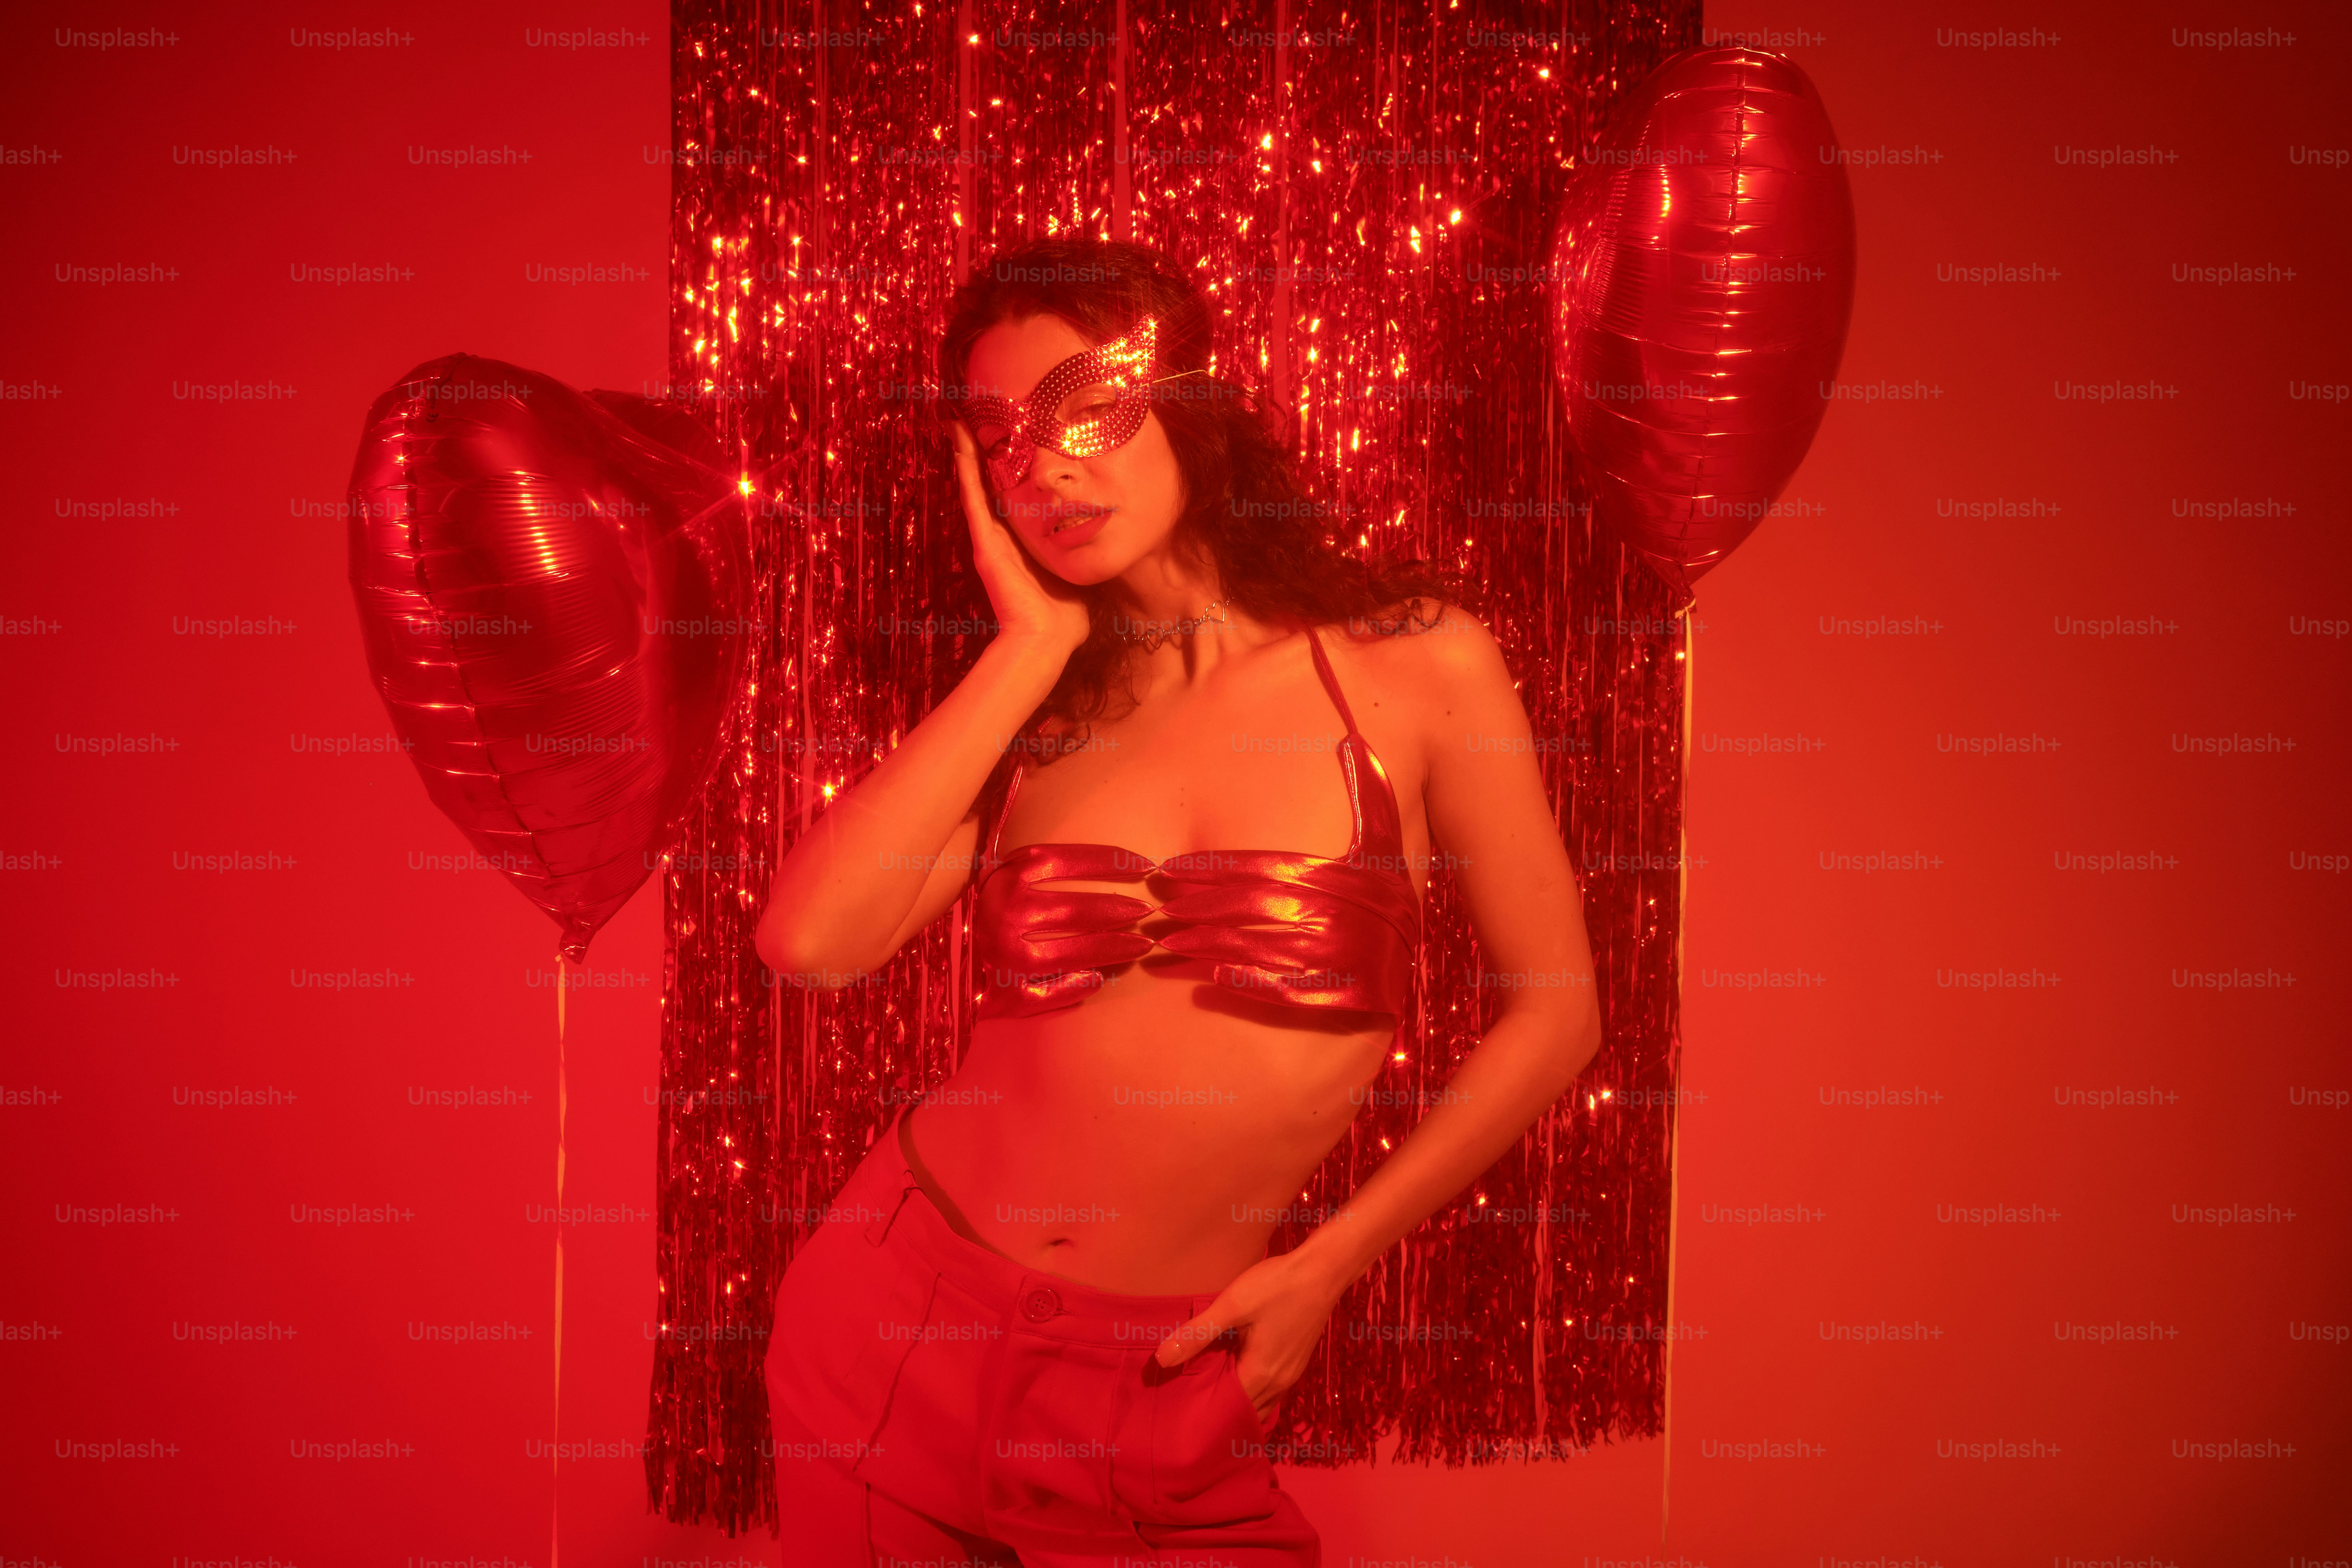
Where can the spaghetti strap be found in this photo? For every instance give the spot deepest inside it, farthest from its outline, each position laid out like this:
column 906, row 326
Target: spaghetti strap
column 996, row 831
column 1330, row 681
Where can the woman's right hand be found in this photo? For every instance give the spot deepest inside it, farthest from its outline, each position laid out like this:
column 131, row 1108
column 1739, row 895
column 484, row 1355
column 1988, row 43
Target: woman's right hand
column 1030, row 604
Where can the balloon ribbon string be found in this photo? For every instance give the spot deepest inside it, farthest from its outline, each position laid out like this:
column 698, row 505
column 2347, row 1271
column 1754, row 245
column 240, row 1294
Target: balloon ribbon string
column 554, row 1447
column 1675, row 1111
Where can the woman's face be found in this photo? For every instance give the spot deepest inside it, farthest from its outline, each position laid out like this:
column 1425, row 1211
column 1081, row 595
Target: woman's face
column 1085, row 520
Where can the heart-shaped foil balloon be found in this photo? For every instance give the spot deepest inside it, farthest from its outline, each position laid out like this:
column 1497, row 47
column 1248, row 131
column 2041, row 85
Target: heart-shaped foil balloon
column 552, row 590
column 1702, row 278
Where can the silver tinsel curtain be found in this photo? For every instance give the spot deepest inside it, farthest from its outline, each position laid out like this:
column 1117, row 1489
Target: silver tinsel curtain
column 1368, row 192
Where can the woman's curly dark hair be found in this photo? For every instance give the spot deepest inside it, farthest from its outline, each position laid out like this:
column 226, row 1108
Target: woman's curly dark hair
column 1249, row 513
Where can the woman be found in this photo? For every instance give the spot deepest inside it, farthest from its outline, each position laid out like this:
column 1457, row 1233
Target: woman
column 1041, row 1320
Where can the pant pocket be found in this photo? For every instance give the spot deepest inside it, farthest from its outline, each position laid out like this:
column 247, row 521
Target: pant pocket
column 1193, row 1453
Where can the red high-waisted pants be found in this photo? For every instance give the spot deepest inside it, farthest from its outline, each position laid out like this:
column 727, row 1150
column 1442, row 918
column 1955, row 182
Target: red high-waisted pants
column 935, row 1403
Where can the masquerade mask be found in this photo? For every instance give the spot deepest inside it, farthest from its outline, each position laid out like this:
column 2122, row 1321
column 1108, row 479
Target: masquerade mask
column 1090, row 404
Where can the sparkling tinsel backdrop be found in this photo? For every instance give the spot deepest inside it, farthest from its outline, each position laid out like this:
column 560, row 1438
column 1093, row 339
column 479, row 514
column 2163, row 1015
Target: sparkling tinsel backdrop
column 1369, row 193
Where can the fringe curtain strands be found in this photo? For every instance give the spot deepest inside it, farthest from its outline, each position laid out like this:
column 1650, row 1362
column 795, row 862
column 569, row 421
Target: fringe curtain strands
column 1369, row 193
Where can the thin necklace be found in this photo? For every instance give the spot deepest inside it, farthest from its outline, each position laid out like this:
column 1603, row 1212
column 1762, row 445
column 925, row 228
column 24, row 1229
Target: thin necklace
column 1154, row 640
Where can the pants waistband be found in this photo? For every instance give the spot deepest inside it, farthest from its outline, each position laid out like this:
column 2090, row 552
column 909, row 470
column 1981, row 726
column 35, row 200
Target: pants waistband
column 1031, row 1300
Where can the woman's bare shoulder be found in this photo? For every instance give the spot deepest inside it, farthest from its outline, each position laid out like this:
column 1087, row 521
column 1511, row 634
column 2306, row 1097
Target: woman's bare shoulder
column 1423, row 642
column 1434, row 671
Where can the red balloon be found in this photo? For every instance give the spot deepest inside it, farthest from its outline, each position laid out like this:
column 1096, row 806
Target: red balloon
column 1702, row 278
column 551, row 589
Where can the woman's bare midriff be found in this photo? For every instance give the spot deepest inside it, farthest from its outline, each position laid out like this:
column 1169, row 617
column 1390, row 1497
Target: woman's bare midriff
column 1148, row 1140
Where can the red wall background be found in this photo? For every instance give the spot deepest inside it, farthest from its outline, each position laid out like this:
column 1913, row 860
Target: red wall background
column 2014, row 1196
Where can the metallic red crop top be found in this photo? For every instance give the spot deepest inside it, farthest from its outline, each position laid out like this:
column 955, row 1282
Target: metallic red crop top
column 1299, row 930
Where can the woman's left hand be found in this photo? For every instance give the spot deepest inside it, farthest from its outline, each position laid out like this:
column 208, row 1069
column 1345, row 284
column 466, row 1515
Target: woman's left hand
column 1279, row 1305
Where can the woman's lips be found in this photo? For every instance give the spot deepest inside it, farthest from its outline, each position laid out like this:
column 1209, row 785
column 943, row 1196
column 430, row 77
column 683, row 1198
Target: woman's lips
column 1069, row 527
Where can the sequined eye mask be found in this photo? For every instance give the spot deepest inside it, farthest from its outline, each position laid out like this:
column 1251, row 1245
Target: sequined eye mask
column 1090, row 404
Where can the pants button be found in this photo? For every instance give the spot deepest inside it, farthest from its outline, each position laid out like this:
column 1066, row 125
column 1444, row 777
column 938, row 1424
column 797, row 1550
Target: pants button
column 1041, row 1304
